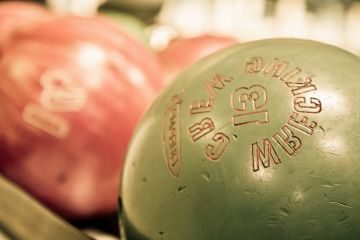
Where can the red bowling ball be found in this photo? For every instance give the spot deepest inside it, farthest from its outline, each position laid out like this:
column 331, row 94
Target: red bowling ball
column 183, row 52
column 16, row 15
column 71, row 91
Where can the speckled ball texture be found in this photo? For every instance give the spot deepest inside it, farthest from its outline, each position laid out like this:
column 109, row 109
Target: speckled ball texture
column 258, row 141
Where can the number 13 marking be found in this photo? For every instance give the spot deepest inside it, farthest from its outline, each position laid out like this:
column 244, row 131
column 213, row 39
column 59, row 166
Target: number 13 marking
column 248, row 102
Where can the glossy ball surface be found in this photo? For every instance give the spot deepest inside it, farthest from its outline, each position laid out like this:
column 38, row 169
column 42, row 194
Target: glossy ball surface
column 71, row 91
column 258, row 141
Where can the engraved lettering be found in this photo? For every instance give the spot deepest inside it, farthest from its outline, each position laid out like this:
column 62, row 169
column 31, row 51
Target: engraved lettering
column 250, row 107
column 287, row 76
column 251, row 98
column 301, row 86
column 172, row 129
column 46, row 121
column 202, row 107
column 217, row 83
column 276, row 67
column 265, row 155
column 59, row 95
column 301, row 123
column 254, row 65
column 301, row 105
column 258, row 117
column 56, row 100
column 287, row 140
column 198, row 130
column 215, row 152
column 249, row 101
column 171, row 136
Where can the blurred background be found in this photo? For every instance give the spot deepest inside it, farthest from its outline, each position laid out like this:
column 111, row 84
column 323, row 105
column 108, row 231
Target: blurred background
column 331, row 21
column 77, row 75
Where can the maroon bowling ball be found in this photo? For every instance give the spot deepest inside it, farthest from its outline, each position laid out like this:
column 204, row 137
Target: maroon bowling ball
column 71, row 91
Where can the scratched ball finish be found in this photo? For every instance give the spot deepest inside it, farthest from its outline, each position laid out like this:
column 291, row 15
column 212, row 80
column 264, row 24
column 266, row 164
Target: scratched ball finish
column 71, row 91
column 259, row 141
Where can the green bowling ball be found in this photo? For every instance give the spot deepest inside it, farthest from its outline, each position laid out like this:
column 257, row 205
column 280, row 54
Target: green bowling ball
column 258, row 141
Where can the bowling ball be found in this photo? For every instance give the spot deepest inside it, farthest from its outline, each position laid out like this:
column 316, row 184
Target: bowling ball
column 258, row 141
column 183, row 52
column 17, row 15
column 71, row 91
